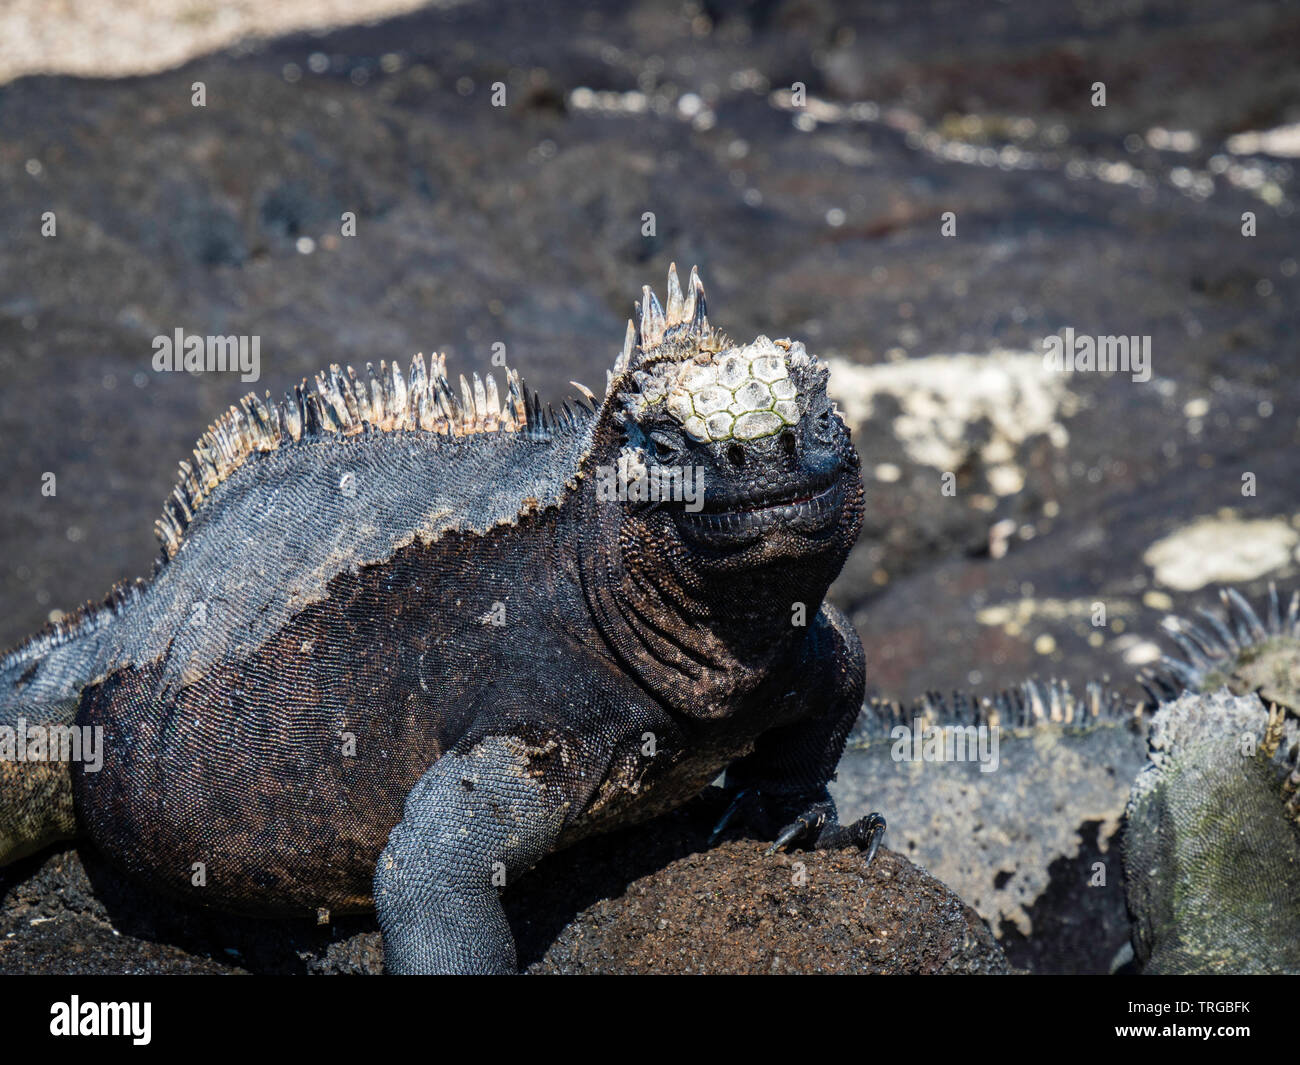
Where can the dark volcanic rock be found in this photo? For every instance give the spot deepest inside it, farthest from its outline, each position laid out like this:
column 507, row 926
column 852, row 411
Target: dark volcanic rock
column 1031, row 846
column 733, row 910
column 647, row 899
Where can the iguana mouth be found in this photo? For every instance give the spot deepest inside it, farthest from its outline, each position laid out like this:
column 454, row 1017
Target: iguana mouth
column 811, row 512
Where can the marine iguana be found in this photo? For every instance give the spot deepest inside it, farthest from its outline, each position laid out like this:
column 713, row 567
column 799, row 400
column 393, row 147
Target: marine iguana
column 399, row 646
column 1212, row 838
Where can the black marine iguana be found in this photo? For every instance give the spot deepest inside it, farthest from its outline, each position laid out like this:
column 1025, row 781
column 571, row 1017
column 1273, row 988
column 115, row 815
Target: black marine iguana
column 400, row 646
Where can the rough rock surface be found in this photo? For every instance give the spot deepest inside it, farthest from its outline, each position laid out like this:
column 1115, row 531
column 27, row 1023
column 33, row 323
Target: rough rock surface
column 639, row 901
column 732, row 910
column 1031, row 845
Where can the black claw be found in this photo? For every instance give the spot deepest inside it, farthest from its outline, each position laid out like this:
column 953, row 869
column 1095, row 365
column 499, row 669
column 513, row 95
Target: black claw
column 808, row 822
column 873, row 826
column 788, row 834
column 727, row 815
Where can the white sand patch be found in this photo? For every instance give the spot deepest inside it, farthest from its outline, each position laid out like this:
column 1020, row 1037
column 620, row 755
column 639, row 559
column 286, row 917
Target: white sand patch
column 1020, row 612
column 942, row 396
column 112, row 38
column 1221, row 550
column 1283, row 141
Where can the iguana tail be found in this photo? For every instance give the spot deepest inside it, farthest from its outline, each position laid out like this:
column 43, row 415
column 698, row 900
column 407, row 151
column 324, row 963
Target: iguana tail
column 35, row 779
column 40, row 688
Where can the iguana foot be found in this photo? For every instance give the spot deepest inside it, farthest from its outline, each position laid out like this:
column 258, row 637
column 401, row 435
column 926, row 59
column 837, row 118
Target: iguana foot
column 818, row 824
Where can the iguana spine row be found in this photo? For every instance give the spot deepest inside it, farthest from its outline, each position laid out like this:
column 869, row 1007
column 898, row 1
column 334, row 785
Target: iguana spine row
column 1214, row 647
column 344, row 404
column 1029, row 704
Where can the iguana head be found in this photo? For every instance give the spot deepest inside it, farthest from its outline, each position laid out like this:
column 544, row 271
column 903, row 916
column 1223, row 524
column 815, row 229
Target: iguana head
column 733, row 450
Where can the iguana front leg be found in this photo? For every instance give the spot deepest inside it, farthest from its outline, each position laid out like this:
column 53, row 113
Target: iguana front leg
column 784, row 781
column 474, row 822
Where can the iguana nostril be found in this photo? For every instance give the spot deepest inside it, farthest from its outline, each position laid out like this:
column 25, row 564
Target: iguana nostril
column 788, row 444
column 736, row 454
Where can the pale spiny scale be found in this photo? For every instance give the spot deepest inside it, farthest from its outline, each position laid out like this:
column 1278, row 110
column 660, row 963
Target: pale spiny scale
column 1174, row 627
column 692, row 283
column 398, row 397
column 652, row 318
column 380, row 393
column 493, row 405
column 515, row 388
column 480, row 401
column 419, row 381
column 189, row 482
column 467, row 405
column 261, row 434
column 205, row 472
column 674, row 308
column 361, row 395
column 224, row 446
column 311, row 422
column 336, row 399
column 1248, row 621
column 338, row 394
column 290, row 418
column 178, row 494
column 423, row 413
column 1222, row 630
column 446, row 398
column 624, row 359
column 376, row 394
column 355, row 421
column 418, row 391
column 699, row 312
column 334, row 417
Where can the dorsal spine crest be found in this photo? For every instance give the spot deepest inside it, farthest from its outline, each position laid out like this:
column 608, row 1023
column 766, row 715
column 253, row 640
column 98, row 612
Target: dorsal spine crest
column 342, row 403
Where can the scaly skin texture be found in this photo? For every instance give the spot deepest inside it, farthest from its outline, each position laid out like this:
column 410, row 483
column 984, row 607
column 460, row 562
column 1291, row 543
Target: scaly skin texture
column 1212, row 845
column 1212, row 852
column 400, row 647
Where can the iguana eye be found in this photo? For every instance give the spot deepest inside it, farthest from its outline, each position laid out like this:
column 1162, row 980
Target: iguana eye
column 665, row 446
